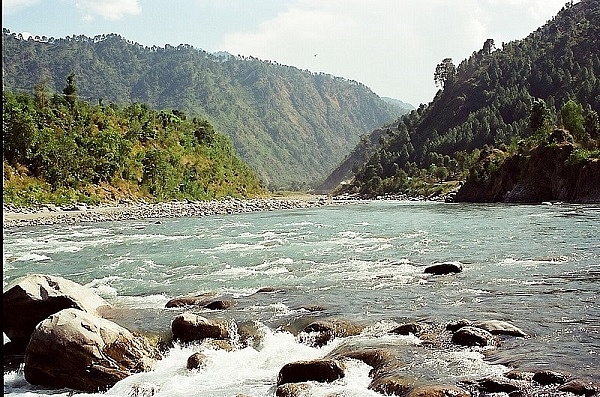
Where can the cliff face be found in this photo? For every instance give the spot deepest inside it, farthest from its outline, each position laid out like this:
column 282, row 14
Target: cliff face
column 543, row 174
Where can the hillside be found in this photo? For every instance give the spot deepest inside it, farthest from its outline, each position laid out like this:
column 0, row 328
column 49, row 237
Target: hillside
column 486, row 101
column 59, row 149
column 291, row 126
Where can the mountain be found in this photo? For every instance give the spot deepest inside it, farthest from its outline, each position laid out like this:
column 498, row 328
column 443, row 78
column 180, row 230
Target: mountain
column 486, row 101
column 290, row 125
column 407, row 107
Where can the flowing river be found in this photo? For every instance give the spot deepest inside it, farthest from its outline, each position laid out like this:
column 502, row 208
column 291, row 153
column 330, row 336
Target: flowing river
column 536, row 266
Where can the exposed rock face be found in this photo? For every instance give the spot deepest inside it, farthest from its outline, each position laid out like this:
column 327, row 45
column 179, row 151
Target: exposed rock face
column 323, row 370
column 189, row 327
column 78, row 350
column 444, row 268
column 35, row 297
column 543, row 174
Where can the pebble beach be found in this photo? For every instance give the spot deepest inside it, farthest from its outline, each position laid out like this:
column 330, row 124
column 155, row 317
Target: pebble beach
column 14, row 216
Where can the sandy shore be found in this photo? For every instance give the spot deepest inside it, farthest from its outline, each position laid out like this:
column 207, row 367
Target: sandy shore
column 51, row 214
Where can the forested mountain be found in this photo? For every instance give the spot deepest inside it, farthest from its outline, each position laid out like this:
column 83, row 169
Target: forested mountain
column 291, row 126
column 487, row 100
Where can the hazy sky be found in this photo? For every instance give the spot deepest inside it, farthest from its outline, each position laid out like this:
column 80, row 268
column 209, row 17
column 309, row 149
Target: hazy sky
column 392, row 46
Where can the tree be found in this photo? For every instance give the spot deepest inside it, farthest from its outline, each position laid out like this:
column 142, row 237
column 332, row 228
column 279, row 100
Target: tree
column 445, row 72
column 540, row 119
column 572, row 119
column 70, row 90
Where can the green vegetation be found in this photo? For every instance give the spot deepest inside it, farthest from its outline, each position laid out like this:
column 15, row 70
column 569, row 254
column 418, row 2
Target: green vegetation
column 497, row 98
column 59, row 149
column 291, row 126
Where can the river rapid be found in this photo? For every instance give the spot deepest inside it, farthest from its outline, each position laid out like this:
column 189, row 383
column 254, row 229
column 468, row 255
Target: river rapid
column 536, row 266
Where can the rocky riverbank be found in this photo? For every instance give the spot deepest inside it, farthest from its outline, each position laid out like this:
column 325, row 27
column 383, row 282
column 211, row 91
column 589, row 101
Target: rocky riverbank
column 14, row 216
column 51, row 321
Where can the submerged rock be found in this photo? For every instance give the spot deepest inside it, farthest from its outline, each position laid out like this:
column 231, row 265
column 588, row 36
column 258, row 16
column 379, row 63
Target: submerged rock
column 196, row 361
column 77, row 350
column 407, row 329
column 438, row 391
column 35, row 297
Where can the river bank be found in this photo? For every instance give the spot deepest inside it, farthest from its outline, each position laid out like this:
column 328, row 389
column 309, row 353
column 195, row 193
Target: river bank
column 14, row 216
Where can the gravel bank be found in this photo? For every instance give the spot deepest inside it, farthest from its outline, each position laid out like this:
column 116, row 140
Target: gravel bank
column 50, row 214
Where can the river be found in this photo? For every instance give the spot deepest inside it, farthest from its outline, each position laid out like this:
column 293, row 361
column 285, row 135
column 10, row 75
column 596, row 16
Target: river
column 536, row 266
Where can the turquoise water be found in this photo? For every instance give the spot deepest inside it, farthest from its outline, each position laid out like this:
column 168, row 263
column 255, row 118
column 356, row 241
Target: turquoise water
column 535, row 266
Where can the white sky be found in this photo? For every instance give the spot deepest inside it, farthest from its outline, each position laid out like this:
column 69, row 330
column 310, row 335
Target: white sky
column 392, row 46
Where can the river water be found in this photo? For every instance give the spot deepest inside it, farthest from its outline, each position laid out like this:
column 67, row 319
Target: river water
column 537, row 267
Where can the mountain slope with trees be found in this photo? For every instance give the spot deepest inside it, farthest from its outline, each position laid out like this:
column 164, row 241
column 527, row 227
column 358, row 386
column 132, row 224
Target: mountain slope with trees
column 59, row 149
column 487, row 101
column 291, row 126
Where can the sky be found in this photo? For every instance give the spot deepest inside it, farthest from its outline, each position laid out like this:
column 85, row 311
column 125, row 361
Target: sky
column 391, row 46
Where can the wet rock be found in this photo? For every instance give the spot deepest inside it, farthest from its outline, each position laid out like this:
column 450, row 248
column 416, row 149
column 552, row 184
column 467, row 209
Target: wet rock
column 381, row 360
column 393, row 385
column 472, row 336
column 500, row 385
column 35, row 297
column 454, row 326
column 268, row 290
column 196, row 300
column 496, row 327
column 581, row 387
column 220, row 304
column 407, row 329
column 196, row 361
column 293, row 390
column 444, row 268
column 77, row 350
column 189, row 327
column 519, row 375
column 438, row 391
column 550, row 377
column 320, row 332
column 323, row 370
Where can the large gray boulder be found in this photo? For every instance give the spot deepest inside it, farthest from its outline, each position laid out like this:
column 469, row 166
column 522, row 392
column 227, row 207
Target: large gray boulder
column 35, row 297
column 77, row 350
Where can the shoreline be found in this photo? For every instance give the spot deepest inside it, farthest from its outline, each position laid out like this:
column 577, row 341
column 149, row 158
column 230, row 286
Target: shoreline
column 15, row 217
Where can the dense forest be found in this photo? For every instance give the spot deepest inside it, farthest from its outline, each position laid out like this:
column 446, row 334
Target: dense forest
column 487, row 101
column 60, row 149
column 291, row 126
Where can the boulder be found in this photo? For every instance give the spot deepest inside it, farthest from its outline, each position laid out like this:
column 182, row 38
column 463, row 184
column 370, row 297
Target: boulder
column 381, row 360
column 496, row 327
column 320, row 332
column 196, row 300
column 443, row 268
column 456, row 325
column 293, row 390
column 472, row 336
column 581, row 387
column 393, row 385
column 188, row 327
column 322, row 370
column 438, row 391
column 550, row 377
column 77, row 350
column 222, row 304
column 500, row 385
column 196, row 361
column 407, row 329
column 35, row 297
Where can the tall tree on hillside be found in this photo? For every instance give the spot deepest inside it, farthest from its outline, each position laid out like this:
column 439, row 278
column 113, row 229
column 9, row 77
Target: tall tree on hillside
column 445, row 72
column 70, row 90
